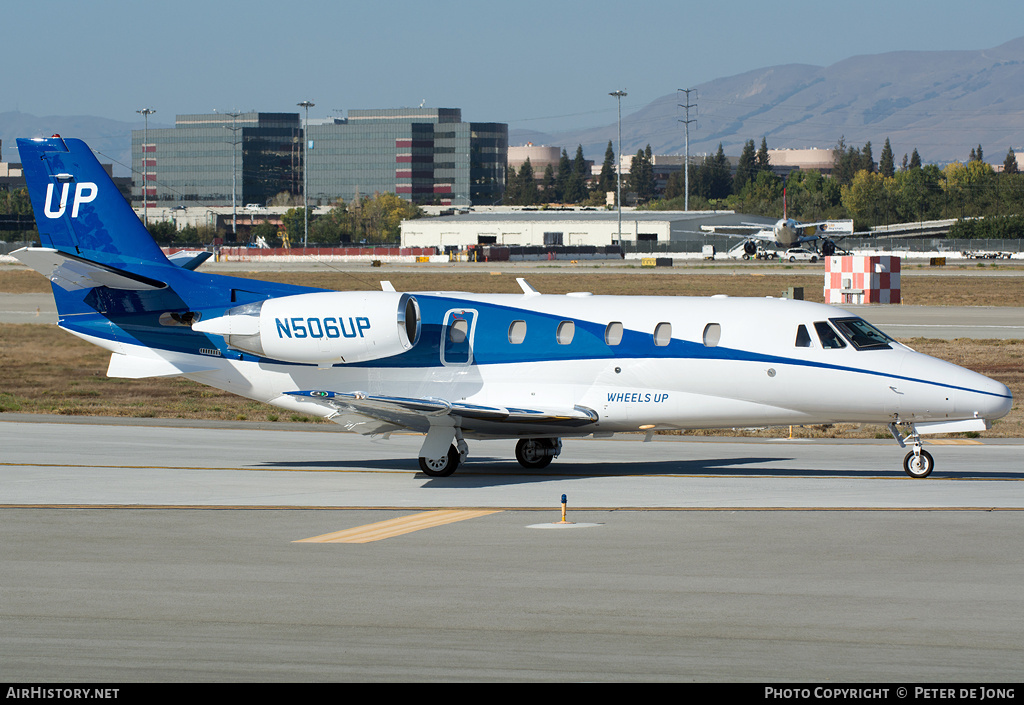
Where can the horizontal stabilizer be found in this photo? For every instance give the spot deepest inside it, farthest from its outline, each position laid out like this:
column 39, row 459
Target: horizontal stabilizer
column 71, row 272
column 134, row 367
column 189, row 260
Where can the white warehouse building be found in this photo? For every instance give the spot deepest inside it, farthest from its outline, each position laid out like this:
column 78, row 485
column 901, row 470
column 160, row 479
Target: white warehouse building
column 558, row 227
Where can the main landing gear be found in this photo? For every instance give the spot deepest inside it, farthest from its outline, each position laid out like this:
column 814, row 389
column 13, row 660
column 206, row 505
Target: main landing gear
column 532, row 453
column 443, row 466
column 918, row 463
column 537, row 453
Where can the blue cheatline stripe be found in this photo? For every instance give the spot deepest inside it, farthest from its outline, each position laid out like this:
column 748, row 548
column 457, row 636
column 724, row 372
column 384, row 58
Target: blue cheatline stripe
column 491, row 346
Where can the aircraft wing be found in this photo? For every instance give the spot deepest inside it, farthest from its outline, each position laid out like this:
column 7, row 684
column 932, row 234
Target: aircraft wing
column 747, row 231
column 414, row 413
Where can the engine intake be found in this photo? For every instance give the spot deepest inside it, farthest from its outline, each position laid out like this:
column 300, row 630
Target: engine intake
column 325, row 327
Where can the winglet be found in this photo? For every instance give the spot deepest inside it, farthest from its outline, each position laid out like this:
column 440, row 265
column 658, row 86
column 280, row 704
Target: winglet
column 525, row 286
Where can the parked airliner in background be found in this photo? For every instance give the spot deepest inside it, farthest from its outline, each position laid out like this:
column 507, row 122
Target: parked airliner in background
column 455, row 366
column 787, row 233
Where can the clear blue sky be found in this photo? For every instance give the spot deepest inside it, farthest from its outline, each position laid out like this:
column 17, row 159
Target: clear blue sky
column 535, row 65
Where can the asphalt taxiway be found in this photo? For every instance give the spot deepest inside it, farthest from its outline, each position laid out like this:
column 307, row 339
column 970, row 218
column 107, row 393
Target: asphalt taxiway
column 145, row 551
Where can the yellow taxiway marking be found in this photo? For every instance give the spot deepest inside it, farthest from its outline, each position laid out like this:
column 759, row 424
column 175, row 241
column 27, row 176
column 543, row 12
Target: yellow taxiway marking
column 953, row 442
column 397, row 527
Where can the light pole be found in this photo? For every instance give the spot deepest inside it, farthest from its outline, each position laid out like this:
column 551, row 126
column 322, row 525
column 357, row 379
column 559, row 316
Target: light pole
column 305, row 167
column 234, row 171
column 145, row 113
column 686, row 163
column 618, row 95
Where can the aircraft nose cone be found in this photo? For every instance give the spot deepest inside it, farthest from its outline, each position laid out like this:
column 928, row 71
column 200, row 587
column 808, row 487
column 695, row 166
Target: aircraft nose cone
column 992, row 399
column 952, row 391
column 981, row 397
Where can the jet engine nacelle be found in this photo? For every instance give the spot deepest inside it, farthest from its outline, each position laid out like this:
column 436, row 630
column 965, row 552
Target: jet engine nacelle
column 322, row 328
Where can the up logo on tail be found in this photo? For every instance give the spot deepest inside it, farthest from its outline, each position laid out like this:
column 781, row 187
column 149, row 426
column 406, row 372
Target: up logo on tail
column 84, row 193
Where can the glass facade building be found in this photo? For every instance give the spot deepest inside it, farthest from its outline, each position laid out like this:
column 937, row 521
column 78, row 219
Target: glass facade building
column 425, row 155
column 204, row 159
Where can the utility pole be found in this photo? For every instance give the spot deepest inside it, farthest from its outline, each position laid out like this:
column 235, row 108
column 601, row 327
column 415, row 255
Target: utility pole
column 686, row 158
column 234, row 171
column 619, row 95
column 145, row 113
column 305, row 168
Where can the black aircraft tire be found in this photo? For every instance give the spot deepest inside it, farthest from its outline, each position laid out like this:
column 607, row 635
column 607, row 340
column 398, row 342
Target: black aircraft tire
column 918, row 467
column 442, row 467
column 528, row 458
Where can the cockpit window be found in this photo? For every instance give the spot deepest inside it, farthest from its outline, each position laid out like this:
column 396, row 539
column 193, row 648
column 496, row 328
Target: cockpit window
column 803, row 338
column 861, row 334
column 828, row 337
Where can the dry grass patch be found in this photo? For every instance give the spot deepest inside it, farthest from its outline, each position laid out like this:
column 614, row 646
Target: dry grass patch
column 967, row 288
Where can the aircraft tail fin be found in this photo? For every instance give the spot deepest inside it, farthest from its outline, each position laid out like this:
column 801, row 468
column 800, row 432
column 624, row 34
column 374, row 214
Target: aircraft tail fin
column 79, row 210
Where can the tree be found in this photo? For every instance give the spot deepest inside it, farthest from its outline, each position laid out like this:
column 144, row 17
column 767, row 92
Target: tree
column 675, row 186
column 526, row 185
column 867, row 161
column 163, row 231
column 547, row 185
column 864, row 198
column 1010, row 163
column 267, row 231
column 746, row 167
column 969, row 188
column 383, row 215
column 576, row 184
column 713, row 178
column 915, row 159
column 331, row 228
column 641, row 175
column 606, row 181
column 294, row 222
column 763, row 162
column 511, row 186
column 562, row 175
column 886, row 163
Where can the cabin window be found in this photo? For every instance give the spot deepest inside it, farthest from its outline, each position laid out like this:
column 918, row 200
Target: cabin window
column 712, row 334
column 565, row 332
column 803, row 338
column 613, row 333
column 861, row 334
column 517, row 332
column 663, row 334
column 458, row 331
column 828, row 337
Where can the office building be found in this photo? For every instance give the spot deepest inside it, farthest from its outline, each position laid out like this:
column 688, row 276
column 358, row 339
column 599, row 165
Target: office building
column 205, row 159
column 425, row 155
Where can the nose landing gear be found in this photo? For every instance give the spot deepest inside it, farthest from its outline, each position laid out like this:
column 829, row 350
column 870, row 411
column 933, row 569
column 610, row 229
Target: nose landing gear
column 918, row 463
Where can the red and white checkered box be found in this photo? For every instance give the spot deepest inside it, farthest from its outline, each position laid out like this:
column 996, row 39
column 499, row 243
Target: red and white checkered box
column 855, row 279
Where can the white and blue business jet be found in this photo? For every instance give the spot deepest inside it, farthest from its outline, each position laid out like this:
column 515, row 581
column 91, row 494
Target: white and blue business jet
column 457, row 366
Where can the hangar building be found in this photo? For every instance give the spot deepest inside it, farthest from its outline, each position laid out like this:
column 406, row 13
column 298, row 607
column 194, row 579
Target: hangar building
column 565, row 227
